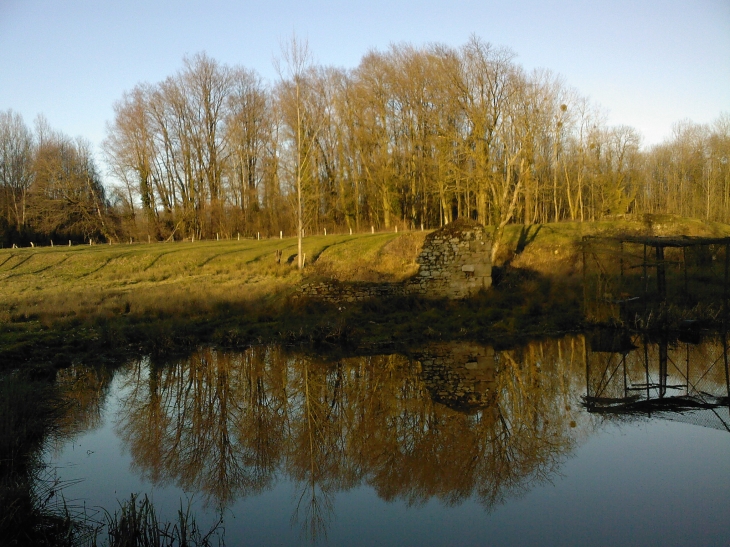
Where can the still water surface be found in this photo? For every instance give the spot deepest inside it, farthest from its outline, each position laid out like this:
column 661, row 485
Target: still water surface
column 574, row 441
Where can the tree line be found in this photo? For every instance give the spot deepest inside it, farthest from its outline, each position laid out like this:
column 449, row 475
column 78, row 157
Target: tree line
column 412, row 137
column 50, row 187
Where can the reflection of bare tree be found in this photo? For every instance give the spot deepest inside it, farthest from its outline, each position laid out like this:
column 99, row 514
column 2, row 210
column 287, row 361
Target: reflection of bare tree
column 536, row 395
column 84, row 390
column 458, row 421
column 316, row 453
column 224, row 424
column 211, row 423
column 429, row 450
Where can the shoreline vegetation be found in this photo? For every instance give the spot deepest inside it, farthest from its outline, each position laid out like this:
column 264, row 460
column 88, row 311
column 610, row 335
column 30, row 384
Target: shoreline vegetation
column 104, row 302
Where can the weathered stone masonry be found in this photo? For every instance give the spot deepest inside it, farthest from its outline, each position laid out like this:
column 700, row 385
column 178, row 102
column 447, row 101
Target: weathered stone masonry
column 351, row 292
column 455, row 262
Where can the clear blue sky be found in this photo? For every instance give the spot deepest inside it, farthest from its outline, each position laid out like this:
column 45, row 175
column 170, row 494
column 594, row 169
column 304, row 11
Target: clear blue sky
column 649, row 63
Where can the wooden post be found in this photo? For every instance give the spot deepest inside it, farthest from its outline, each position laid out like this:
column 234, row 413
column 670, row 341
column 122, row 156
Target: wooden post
column 588, row 372
column 684, row 260
column 621, row 278
column 645, row 341
column 239, row 236
column 51, row 243
column 325, row 231
column 69, row 242
column 727, row 369
column 281, row 234
column 258, row 236
column 646, row 278
column 725, row 286
column 585, row 286
column 686, row 346
column 661, row 276
column 350, row 231
column 372, row 229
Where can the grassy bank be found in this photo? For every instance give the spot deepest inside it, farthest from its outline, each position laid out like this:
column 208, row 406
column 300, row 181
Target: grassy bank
column 66, row 303
column 61, row 303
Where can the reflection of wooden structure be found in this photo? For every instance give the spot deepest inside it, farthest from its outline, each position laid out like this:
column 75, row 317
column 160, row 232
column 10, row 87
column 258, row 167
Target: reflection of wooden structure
column 630, row 273
column 629, row 375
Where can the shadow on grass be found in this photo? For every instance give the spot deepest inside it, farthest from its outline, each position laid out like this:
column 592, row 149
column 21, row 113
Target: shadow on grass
column 527, row 236
column 523, row 304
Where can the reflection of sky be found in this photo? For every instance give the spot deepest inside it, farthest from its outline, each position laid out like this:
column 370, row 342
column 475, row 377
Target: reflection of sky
column 101, row 460
column 651, row 483
column 640, row 483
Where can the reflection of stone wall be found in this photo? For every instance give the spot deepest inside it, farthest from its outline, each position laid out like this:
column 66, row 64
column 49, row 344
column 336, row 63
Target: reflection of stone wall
column 455, row 262
column 459, row 375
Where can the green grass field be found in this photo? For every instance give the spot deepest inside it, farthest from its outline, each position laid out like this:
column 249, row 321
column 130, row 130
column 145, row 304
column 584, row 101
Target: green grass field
column 160, row 296
column 46, row 284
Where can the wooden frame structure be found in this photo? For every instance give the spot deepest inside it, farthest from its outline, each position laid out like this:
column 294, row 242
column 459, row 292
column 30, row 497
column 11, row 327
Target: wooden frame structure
column 627, row 274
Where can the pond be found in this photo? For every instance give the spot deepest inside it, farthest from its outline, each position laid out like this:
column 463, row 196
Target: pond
column 602, row 440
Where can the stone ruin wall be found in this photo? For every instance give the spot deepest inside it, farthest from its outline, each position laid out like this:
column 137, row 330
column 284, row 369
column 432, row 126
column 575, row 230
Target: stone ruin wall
column 350, row 292
column 455, row 262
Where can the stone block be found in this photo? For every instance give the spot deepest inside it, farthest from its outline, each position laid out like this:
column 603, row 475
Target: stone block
column 482, row 270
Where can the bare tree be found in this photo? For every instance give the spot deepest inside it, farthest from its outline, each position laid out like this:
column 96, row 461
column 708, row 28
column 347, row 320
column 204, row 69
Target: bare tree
column 249, row 130
column 412, row 135
column 67, row 197
column 16, row 158
column 129, row 151
column 294, row 68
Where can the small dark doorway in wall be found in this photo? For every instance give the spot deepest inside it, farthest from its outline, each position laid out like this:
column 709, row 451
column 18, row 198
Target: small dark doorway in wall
column 454, row 209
